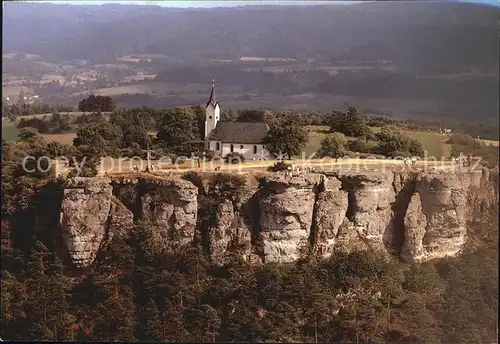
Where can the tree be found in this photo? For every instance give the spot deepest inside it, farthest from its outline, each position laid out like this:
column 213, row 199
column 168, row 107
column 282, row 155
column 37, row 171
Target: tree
column 105, row 137
column 28, row 133
column 152, row 326
column 89, row 156
column 96, row 104
column 41, row 125
column 392, row 141
column 415, row 148
column 57, row 149
column 351, row 123
column 286, row 136
column 180, row 130
column 37, row 289
column 333, row 145
column 359, row 146
column 247, row 115
column 134, row 124
column 59, row 288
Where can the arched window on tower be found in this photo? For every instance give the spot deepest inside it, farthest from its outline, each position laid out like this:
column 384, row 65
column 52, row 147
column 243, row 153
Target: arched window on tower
column 217, row 146
column 255, row 149
column 232, row 148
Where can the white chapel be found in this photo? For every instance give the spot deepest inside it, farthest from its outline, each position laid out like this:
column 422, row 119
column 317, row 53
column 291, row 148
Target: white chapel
column 224, row 137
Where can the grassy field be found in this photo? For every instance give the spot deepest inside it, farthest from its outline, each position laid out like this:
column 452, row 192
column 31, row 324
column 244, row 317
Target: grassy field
column 74, row 114
column 491, row 143
column 316, row 134
column 67, row 137
column 9, row 130
column 432, row 142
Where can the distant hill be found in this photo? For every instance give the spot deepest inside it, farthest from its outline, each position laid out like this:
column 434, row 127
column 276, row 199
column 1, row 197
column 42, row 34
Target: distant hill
column 427, row 37
column 422, row 60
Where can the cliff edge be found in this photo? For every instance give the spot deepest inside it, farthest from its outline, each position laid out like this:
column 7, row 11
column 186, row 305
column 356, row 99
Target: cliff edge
column 416, row 216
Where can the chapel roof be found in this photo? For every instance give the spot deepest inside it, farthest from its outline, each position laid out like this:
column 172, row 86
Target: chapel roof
column 239, row 132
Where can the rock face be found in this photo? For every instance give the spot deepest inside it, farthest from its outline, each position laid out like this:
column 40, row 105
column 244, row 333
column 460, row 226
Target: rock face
column 230, row 234
column 436, row 219
column 286, row 214
column 415, row 223
column 330, row 211
column 371, row 196
column 84, row 217
column 418, row 216
column 121, row 220
column 170, row 207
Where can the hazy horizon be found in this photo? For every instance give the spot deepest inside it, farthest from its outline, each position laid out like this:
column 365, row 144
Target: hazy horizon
column 211, row 4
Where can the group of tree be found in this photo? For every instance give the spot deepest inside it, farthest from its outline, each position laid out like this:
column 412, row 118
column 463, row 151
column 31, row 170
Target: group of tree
column 390, row 141
column 182, row 129
column 351, row 123
column 131, row 132
column 29, row 109
column 287, row 136
column 55, row 123
column 95, row 103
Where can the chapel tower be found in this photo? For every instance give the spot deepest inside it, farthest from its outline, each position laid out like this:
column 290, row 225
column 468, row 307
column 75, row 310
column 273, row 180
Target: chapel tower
column 212, row 112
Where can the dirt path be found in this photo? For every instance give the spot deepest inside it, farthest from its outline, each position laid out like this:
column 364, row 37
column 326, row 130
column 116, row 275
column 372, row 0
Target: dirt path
column 355, row 165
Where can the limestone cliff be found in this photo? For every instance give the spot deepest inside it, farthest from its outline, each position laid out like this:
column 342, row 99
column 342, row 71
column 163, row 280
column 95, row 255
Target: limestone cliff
column 286, row 213
column 418, row 216
column 89, row 215
column 437, row 216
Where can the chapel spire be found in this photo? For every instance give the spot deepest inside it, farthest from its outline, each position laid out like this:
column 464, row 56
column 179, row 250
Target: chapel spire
column 212, row 95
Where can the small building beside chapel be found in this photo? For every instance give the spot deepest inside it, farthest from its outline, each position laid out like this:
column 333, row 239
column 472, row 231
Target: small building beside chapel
column 224, row 137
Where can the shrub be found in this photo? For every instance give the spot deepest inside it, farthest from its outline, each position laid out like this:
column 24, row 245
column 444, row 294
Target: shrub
column 195, row 178
column 359, row 146
column 234, row 158
column 209, row 154
column 461, row 139
column 333, row 145
column 399, row 154
column 415, row 148
column 279, row 166
column 229, row 181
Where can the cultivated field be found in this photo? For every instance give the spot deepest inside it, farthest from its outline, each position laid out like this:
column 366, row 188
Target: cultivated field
column 8, row 91
column 66, row 138
column 154, row 87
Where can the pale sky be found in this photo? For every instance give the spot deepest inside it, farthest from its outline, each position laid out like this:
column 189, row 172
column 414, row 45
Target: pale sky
column 198, row 3
column 186, row 4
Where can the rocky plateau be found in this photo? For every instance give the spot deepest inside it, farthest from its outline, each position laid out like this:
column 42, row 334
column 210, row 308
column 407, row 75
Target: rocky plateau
column 415, row 216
